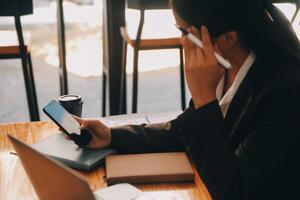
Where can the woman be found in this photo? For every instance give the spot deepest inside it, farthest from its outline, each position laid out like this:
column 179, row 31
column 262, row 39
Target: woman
column 242, row 128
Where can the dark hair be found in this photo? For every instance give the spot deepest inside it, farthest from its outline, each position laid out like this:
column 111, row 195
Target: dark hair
column 261, row 26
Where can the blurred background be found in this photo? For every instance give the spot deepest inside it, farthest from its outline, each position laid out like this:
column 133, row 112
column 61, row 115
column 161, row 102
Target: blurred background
column 158, row 81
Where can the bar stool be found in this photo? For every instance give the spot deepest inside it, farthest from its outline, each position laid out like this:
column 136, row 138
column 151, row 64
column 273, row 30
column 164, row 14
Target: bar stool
column 139, row 44
column 296, row 2
column 12, row 47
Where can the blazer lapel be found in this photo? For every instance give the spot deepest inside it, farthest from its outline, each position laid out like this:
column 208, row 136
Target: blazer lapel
column 242, row 101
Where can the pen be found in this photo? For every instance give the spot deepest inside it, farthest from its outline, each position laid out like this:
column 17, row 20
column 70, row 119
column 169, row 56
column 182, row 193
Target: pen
column 198, row 42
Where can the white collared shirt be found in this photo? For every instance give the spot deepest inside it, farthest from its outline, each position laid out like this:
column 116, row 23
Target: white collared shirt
column 225, row 101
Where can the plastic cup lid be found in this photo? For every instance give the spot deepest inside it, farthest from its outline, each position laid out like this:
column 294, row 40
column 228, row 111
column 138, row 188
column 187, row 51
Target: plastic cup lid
column 70, row 98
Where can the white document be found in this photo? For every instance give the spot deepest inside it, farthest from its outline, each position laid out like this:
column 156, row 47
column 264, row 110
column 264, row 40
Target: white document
column 124, row 121
column 136, row 119
column 163, row 117
column 122, row 191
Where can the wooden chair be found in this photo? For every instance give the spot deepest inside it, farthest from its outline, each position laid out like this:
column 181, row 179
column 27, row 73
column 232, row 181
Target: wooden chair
column 12, row 46
column 139, row 44
column 296, row 2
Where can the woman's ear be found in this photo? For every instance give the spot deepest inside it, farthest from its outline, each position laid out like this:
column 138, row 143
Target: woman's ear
column 231, row 39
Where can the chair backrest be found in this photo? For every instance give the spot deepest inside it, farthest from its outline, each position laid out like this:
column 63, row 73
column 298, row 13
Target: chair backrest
column 296, row 2
column 15, row 7
column 284, row 1
column 148, row 4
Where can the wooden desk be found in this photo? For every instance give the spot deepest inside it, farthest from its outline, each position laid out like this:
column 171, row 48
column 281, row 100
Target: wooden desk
column 14, row 183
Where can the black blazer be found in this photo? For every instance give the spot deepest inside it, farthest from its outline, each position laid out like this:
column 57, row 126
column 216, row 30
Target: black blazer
column 251, row 154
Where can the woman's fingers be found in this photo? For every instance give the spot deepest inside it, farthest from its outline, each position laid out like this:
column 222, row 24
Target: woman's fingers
column 186, row 48
column 208, row 47
column 67, row 138
column 216, row 47
column 78, row 119
column 186, row 42
column 198, row 51
column 83, row 123
column 195, row 32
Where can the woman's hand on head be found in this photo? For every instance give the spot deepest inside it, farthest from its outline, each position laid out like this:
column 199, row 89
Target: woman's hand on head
column 101, row 134
column 202, row 70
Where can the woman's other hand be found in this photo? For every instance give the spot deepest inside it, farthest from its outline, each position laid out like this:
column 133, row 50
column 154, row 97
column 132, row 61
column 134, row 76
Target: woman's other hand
column 101, row 134
column 202, row 70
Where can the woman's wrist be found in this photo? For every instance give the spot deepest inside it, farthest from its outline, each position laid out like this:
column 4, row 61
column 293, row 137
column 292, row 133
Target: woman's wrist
column 109, row 136
column 199, row 102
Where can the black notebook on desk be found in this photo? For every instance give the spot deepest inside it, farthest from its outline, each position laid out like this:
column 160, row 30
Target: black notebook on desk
column 65, row 151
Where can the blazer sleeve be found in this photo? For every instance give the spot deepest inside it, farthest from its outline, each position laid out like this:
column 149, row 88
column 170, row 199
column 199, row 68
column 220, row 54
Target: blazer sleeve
column 264, row 166
column 146, row 138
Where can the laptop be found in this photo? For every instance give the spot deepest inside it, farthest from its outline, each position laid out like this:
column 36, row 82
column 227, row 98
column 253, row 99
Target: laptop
column 51, row 180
